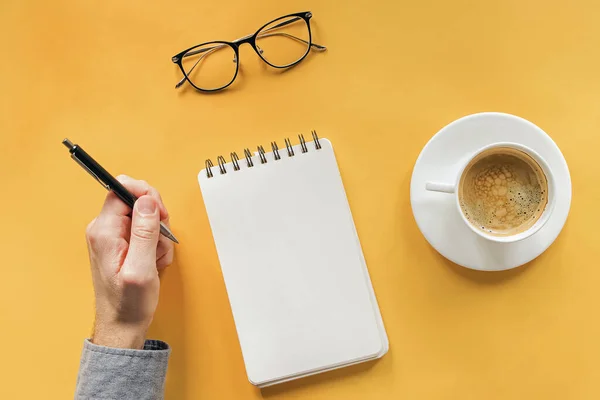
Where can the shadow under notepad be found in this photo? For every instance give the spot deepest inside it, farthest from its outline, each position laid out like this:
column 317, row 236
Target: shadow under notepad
column 345, row 373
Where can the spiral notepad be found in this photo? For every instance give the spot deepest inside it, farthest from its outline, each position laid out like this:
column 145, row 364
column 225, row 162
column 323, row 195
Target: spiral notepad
column 296, row 278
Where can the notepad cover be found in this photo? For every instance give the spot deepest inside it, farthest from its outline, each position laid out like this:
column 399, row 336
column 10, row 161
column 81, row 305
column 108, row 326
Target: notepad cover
column 295, row 274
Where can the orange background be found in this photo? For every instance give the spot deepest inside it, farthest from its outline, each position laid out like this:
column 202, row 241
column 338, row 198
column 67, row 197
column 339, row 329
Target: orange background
column 395, row 72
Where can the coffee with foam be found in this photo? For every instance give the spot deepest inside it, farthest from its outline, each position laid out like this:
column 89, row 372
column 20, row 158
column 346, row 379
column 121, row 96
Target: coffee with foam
column 503, row 191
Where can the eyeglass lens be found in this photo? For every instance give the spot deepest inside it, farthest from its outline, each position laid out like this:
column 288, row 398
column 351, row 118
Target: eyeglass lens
column 284, row 41
column 210, row 66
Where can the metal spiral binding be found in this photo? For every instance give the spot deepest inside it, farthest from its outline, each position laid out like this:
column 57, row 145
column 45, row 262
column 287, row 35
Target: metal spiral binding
column 289, row 147
column 303, row 143
column 221, row 161
column 208, row 164
column 261, row 154
column 316, row 140
column 235, row 160
column 248, row 156
column 275, row 151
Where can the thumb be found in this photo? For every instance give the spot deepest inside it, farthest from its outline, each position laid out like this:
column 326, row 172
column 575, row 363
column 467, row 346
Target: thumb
column 145, row 230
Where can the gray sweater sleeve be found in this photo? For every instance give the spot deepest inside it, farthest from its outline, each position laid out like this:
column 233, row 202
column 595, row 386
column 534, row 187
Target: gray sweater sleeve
column 109, row 373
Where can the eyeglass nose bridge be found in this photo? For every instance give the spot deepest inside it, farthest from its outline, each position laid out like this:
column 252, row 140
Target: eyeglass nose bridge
column 245, row 39
column 249, row 39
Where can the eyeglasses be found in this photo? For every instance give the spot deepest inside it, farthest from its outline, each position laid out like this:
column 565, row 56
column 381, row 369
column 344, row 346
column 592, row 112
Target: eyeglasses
column 281, row 43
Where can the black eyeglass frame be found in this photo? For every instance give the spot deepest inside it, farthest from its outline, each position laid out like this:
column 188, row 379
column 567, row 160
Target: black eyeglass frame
column 251, row 40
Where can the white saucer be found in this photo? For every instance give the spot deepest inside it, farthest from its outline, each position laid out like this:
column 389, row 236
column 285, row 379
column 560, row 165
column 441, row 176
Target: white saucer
column 436, row 213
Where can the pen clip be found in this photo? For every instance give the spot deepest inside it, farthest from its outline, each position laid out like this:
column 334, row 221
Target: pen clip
column 89, row 171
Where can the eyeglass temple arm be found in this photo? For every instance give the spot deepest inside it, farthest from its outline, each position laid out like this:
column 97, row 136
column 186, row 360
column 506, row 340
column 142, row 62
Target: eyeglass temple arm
column 289, row 21
column 191, row 53
column 316, row 46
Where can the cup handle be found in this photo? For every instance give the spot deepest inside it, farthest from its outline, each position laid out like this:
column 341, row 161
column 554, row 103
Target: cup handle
column 440, row 187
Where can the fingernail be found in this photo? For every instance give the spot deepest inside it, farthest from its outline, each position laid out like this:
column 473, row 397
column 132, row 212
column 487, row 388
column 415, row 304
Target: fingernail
column 145, row 205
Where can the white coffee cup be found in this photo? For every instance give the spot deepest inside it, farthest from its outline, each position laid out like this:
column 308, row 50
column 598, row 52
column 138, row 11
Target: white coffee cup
column 452, row 188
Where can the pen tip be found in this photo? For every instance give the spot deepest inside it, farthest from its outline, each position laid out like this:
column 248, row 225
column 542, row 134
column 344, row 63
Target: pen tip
column 167, row 233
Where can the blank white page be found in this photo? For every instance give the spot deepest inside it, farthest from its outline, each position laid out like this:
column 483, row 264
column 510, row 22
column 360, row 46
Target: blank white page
column 301, row 297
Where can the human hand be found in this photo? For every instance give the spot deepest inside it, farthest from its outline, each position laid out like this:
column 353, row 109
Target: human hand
column 126, row 253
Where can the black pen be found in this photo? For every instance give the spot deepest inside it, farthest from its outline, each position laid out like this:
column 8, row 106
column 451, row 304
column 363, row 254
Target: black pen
column 107, row 180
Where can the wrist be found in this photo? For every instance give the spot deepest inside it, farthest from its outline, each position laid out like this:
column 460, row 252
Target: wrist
column 118, row 335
